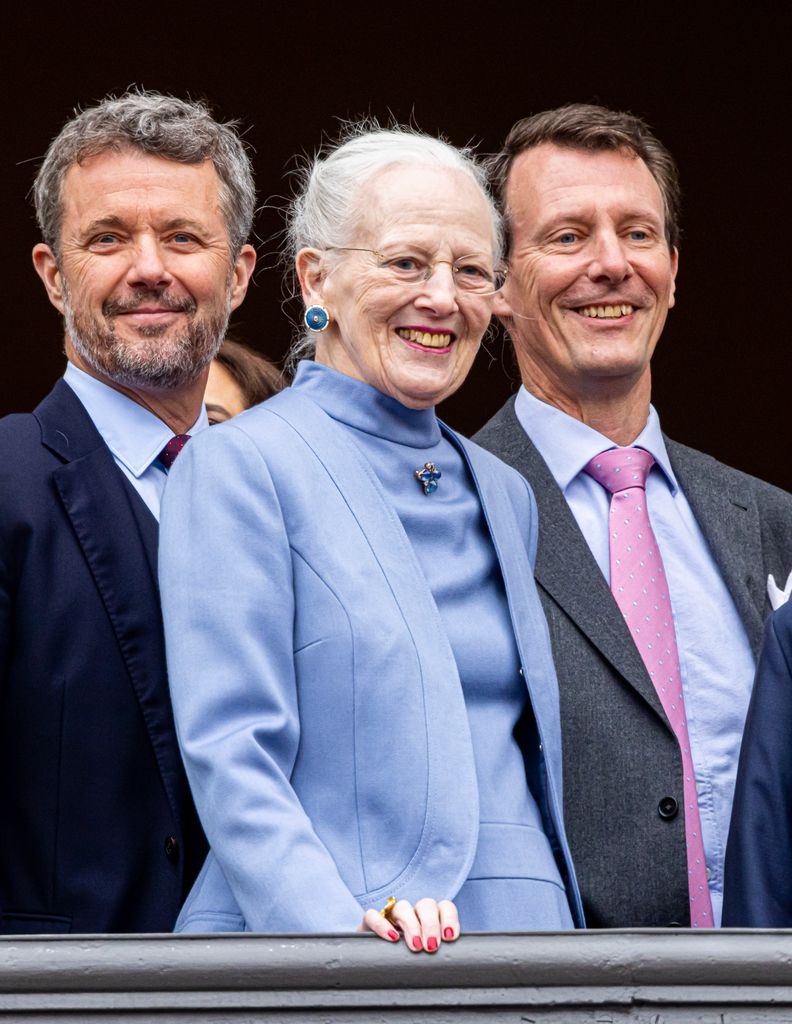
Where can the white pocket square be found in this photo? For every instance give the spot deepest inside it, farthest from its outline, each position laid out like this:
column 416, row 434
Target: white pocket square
column 774, row 592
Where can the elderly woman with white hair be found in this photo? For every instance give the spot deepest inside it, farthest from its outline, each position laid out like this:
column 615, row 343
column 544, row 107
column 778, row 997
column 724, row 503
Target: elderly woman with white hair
column 360, row 667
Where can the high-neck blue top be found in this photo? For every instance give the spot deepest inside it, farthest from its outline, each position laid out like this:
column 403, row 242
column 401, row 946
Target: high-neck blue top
column 514, row 884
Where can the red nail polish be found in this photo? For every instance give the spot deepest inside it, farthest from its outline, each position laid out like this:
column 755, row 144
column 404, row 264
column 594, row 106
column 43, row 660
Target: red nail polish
column 431, row 944
column 393, row 936
column 448, row 933
column 417, row 942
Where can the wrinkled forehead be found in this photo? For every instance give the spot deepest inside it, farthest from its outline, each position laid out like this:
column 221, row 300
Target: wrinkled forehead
column 550, row 180
column 121, row 183
column 423, row 204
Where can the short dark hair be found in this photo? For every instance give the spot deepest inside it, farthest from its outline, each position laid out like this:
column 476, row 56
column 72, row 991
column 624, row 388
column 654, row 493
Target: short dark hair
column 588, row 127
column 256, row 377
column 149, row 122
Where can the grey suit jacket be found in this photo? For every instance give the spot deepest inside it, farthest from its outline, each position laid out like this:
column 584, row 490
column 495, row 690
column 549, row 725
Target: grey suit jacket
column 620, row 755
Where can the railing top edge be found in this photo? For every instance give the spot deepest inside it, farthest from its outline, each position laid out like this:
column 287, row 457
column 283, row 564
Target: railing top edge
column 246, row 962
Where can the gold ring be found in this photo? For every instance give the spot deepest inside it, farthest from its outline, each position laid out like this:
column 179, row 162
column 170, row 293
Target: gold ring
column 388, row 908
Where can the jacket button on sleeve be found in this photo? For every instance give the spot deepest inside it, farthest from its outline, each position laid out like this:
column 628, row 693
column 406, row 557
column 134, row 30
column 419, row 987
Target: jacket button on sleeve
column 668, row 808
column 172, row 849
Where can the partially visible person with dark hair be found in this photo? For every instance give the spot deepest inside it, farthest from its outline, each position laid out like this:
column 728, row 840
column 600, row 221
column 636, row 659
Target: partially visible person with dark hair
column 652, row 557
column 238, row 379
column 145, row 204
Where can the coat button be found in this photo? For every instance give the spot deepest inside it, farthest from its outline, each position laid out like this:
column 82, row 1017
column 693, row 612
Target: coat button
column 668, row 808
column 172, row 849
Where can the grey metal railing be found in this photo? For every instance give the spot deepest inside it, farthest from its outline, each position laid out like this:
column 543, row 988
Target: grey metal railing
column 651, row 976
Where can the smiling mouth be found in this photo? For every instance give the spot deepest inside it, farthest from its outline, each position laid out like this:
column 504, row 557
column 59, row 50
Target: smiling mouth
column 422, row 338
column 606, row 312
column 150, row 311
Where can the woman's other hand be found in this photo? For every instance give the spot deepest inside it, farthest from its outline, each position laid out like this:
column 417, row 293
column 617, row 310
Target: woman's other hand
column 424, row 925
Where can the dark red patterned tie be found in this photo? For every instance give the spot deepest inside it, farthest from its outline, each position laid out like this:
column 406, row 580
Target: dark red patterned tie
column 171, row 450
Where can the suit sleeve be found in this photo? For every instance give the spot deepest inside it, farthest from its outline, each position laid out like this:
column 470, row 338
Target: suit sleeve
column 7, row 547
column 5, row 615
column 758, row 872
column 228, row 608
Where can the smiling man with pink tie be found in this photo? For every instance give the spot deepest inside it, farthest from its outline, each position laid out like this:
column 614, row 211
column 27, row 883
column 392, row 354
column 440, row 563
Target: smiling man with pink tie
column 653, row 558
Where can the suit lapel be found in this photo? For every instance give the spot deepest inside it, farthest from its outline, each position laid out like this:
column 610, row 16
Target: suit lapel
column 565, row 568
column 148, row 528
column 728, row 516
column 96, row 500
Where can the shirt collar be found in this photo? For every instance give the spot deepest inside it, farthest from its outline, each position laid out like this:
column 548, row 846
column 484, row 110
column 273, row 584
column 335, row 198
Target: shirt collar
column 567, row 445
column 134, row 435
column 366, row 408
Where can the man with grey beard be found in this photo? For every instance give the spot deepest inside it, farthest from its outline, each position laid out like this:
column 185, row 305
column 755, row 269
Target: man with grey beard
column 145, row 204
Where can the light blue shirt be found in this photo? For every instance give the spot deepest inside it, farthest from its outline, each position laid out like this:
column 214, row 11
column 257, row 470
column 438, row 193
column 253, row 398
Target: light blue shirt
column 714, row 654
column 134, row 435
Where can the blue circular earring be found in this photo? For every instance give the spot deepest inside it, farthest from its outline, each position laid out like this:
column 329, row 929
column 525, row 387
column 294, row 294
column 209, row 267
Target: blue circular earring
column 316, row 318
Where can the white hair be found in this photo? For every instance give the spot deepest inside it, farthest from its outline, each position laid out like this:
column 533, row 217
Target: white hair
column 324, row 211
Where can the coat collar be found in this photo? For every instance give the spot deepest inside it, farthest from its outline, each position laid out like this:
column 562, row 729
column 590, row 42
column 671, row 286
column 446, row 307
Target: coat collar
column 66, row 428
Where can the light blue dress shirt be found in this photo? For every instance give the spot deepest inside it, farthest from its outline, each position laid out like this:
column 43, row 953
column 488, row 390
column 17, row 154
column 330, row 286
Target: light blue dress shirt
column 134, row 435
column 714, row 654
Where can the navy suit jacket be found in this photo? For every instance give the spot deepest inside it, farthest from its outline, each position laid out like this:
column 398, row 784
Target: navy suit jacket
column 758, row 874
column 98, row 829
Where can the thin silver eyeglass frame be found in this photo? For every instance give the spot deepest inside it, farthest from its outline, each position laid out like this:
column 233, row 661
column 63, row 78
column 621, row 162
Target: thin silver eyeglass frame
column 430, row 268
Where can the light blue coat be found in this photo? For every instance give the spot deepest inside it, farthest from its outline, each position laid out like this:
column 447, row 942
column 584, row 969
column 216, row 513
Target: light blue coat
column 316, row 696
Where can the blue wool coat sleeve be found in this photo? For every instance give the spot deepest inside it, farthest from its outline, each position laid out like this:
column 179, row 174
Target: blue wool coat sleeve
column 229, row 647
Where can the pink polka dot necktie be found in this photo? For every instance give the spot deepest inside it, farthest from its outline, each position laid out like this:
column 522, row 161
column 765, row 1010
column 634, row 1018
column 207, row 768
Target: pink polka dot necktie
column 170, row 452
column 639, row 585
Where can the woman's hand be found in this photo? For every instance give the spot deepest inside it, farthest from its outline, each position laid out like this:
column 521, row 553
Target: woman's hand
column 424, row 925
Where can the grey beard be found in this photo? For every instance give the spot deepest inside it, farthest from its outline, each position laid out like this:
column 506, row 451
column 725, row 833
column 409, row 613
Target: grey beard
column 153, row 367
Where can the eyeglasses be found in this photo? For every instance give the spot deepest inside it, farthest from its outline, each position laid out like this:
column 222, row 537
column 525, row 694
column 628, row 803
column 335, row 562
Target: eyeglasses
column 471, row 273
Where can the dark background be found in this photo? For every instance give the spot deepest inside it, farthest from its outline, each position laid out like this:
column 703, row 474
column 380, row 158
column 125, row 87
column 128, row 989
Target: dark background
column 713, row 87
